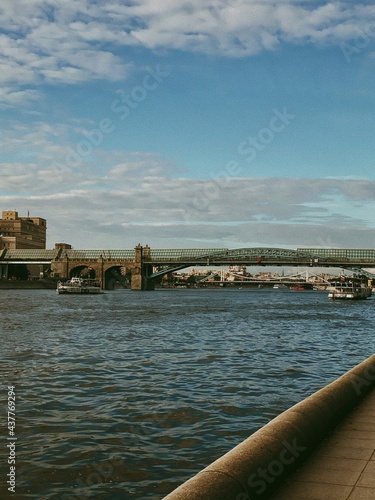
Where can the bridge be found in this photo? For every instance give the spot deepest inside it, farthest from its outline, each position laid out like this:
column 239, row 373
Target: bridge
column 144, row 264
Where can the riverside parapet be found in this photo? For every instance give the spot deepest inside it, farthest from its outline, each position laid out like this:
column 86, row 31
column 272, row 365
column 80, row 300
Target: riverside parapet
column 254, row 468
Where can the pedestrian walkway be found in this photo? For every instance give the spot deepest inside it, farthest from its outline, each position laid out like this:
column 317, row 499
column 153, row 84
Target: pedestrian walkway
column 343, row 466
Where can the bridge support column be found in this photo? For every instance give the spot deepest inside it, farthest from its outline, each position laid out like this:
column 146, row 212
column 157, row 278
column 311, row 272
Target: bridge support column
column 147, row 283
column 100, row 273
column 140, row 270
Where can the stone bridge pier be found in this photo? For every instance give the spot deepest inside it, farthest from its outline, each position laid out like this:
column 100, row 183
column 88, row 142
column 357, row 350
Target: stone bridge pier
column 65, row 267
column 141, row 270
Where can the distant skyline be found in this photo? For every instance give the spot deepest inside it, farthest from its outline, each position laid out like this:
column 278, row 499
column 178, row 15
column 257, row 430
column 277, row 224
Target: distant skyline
column 190, row 124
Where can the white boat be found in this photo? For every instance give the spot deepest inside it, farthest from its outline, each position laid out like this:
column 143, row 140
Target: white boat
column 279, row 286
column 78, row 285
column 348, row 289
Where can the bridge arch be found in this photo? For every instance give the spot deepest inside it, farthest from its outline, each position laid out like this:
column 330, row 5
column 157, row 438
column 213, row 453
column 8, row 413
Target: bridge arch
column 83, row 271
column 117, row 273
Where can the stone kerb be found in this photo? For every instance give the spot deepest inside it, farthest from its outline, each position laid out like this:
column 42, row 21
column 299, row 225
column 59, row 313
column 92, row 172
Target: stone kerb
column 256, row 466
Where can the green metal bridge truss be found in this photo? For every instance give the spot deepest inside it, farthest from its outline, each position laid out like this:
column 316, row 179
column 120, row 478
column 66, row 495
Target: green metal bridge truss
column 174, row 260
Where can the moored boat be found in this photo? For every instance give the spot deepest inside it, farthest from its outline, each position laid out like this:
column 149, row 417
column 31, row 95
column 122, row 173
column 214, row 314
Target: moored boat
column 78, row 285
column 301, row 287
column 348, row 288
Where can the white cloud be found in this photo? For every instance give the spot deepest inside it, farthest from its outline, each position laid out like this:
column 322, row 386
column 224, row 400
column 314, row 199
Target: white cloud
column 74, row 41
column 241, row 27
column 11, row 98
column 40, row 44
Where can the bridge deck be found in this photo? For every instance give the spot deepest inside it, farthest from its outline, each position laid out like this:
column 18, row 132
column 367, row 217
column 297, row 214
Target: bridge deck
column 353, row 259
column 343, row 466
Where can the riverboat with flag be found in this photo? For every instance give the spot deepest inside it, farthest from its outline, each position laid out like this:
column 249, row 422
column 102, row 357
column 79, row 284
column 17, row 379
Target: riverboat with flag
column 78, row 286
column 348, row 288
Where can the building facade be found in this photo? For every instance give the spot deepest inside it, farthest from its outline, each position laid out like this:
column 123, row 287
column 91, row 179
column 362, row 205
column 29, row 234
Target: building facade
column 22, row 232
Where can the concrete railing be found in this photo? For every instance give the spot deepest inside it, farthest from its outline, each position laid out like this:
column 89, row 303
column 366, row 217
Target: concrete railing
column 256, row 466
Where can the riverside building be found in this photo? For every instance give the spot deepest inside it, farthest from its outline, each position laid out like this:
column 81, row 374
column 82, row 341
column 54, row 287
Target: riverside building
column 22, row 232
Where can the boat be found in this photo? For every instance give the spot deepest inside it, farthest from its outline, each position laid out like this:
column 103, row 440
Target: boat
column 301, row 287
column 78, row 285
column 279, row 286
column 348, row 288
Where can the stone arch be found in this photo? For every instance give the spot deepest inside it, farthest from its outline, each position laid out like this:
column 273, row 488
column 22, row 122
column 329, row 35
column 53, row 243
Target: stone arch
column 117, row 274
column 82, row 271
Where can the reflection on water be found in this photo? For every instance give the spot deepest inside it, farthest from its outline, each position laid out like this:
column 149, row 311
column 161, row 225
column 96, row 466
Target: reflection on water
column 125, row 395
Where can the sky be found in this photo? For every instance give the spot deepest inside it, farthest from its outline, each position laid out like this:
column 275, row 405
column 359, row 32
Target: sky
column 190, row 124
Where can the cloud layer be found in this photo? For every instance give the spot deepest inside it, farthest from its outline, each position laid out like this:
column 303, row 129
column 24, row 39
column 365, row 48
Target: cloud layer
column 141, row 196
column 74, row 41
column 136, row 200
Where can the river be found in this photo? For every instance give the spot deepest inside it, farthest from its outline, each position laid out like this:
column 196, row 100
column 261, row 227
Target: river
column 127, row 394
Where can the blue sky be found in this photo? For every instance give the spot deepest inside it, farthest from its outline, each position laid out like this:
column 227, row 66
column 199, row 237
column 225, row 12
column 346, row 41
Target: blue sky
column 190, row 124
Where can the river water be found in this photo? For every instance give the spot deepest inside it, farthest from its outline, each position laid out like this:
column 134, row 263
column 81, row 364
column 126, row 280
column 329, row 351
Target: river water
column 125, row 395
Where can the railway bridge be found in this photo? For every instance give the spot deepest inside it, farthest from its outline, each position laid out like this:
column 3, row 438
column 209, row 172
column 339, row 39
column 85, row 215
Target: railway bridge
column 144, row 265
